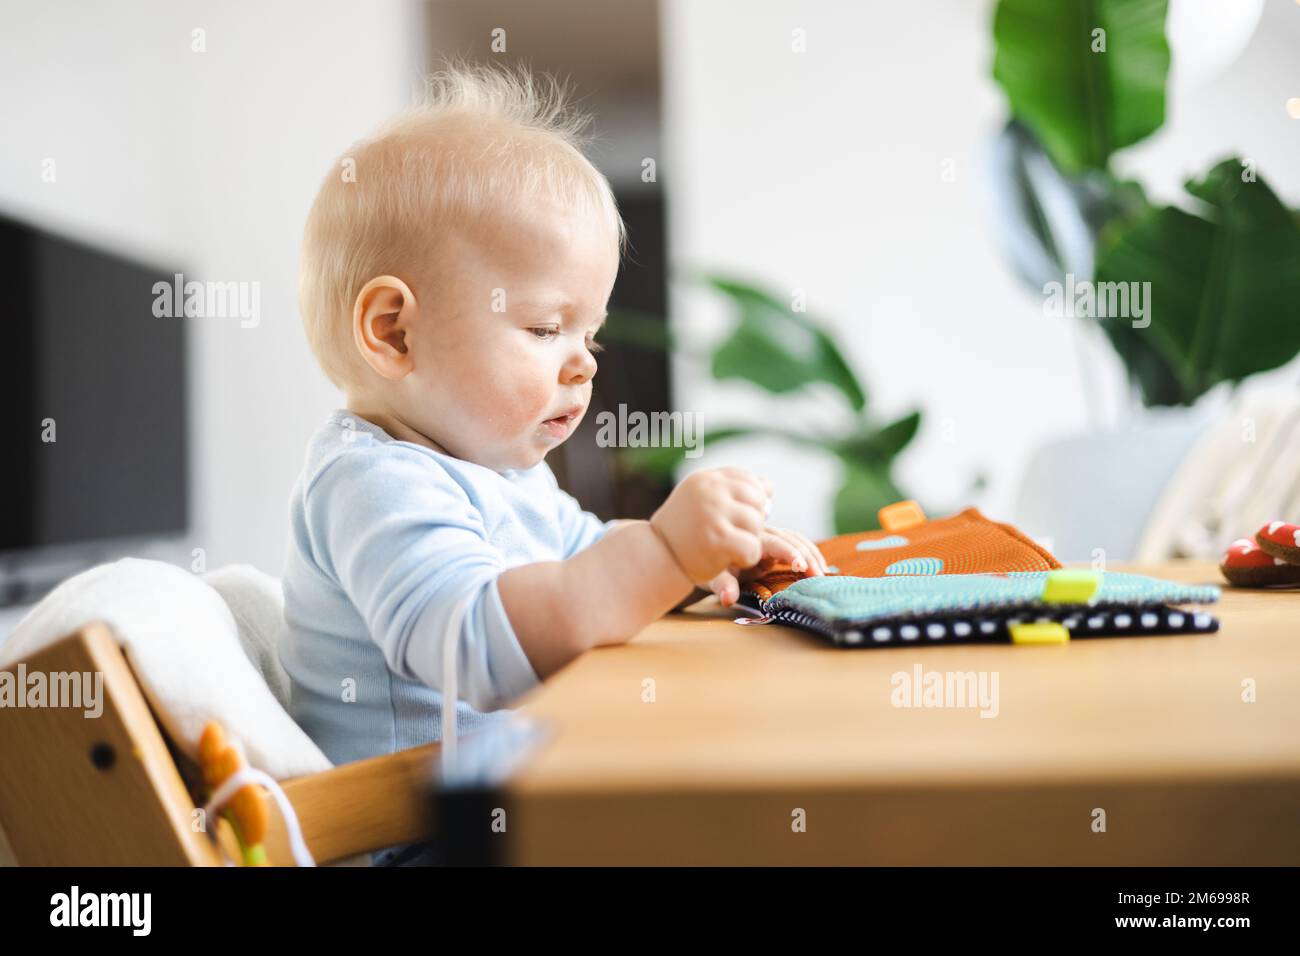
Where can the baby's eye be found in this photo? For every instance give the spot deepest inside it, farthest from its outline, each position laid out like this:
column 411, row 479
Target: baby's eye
column 593, row 346
column 545, row 332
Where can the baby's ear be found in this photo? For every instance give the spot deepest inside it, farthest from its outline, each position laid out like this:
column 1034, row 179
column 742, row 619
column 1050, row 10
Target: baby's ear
column 383, row 314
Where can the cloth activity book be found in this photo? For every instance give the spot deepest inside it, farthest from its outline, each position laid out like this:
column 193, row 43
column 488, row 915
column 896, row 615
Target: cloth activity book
column 965, row 579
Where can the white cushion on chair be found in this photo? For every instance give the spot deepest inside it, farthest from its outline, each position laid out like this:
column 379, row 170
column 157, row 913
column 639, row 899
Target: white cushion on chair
column 203, row 648
column 257, row 604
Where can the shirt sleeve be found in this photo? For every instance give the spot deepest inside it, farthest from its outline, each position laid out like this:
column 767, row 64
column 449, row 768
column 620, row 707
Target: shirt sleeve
column 405, row 544
column 581, row 528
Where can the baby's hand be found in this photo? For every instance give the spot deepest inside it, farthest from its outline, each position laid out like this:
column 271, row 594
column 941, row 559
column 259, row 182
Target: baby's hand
column 713, row 520
column 779, row 546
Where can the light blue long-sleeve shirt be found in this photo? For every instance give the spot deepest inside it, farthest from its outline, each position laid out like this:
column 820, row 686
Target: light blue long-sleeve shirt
column 387, row 537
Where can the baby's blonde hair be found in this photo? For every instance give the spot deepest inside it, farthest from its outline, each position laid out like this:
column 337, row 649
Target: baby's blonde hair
column 484, row 137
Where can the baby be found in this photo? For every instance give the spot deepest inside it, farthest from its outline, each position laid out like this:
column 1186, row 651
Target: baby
column 455, row 270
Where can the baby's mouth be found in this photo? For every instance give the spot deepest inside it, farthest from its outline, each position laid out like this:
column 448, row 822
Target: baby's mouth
column 558, row 427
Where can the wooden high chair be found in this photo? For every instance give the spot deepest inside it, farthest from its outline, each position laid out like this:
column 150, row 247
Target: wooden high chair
column 115, row 791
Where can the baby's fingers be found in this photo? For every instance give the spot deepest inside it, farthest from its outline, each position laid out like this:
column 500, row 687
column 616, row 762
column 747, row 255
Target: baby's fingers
column 743, row 475
column 782, row 549
column 813, row 552
column 811, row 557
column 726, row 587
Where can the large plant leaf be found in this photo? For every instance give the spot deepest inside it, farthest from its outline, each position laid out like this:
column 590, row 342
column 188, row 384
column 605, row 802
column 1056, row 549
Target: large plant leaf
column 1083, row 105
column 863, row 493
column 1224, row 297
column 879, row 447
column 779, row 349
column 1148, row 370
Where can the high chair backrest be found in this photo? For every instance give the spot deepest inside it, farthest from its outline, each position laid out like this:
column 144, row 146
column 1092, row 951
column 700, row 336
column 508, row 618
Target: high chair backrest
column 108, row 790
column 91, row 790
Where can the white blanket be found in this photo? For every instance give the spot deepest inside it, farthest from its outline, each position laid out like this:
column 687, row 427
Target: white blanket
column 202, row 647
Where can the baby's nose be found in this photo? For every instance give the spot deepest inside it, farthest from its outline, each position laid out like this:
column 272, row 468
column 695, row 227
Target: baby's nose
column 582, row 368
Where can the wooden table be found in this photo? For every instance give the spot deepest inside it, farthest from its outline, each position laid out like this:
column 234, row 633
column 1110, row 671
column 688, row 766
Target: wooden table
column 705, row 742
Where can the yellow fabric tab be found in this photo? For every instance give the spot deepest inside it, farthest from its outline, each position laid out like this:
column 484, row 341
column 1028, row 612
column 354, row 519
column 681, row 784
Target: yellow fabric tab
column 1041, row 632
column 1071, row 586
column 900, row 516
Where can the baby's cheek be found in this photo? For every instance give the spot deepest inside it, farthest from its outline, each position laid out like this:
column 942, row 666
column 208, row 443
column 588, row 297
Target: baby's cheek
column 514, row 401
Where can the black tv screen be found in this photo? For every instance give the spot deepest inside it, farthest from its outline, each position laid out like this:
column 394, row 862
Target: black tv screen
column 85, row 362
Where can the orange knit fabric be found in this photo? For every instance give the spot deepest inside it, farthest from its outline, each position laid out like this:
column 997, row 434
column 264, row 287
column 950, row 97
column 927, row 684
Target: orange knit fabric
column 966, row 543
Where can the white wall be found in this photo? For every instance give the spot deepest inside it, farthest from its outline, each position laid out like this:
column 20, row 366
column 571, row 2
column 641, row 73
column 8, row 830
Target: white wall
column 822, row 171
column 819, row 171
column 209, row 161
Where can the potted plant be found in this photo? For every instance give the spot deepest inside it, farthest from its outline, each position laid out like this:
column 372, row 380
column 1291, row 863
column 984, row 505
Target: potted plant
column 1191, row 297
column 781, row 349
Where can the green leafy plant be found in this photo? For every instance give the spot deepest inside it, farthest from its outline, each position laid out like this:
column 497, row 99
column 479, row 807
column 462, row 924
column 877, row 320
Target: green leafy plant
column 783, row 352
column 1227, row 280
column 1088, row 76
column 1084, row 79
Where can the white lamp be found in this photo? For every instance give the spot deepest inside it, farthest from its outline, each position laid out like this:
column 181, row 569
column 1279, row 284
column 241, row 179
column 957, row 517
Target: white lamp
column 1206, row 36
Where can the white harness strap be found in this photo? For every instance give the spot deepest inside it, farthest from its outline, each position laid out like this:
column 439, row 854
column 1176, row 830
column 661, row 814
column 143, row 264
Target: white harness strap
column 237, row 781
